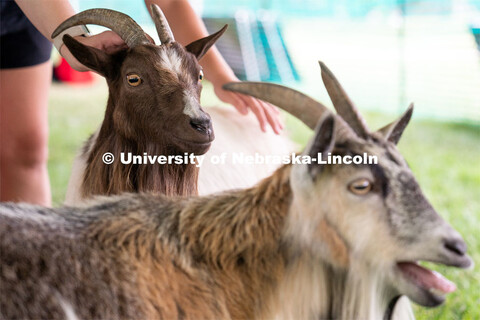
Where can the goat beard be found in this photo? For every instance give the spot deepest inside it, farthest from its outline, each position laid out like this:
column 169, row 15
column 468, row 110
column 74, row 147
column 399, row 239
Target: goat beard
column 316, row 289
column 116, row 178
column 363, row 292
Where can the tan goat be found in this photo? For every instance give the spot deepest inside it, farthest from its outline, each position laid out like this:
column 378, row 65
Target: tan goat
column 311, row 241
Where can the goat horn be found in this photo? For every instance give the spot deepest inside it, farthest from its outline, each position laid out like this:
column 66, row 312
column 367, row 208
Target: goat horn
column 161, row 24
column 118, row 22
column 342, row 103
column 296, row 103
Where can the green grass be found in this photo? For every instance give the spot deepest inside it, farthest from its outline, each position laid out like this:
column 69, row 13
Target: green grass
column 74, row 114
column 444, row 157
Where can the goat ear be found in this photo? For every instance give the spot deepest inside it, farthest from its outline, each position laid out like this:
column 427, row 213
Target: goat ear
column 92, row 58
column 201, row 46
column 393, row 131
column 322, row 143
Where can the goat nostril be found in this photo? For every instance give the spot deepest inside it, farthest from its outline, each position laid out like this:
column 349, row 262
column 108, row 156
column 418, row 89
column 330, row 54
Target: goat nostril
column 457, row 246
column 202, row 125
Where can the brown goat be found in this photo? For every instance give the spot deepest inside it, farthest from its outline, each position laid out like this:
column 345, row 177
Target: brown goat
column 324, row 241
column 153, row 106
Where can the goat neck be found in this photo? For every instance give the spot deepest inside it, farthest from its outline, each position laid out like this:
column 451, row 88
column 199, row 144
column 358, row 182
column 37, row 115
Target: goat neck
column 116, row 178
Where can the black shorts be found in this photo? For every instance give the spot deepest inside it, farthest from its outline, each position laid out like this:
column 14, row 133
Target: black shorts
column 21, row 44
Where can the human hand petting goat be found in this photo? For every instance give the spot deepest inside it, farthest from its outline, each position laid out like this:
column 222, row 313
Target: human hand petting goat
column 266, row 113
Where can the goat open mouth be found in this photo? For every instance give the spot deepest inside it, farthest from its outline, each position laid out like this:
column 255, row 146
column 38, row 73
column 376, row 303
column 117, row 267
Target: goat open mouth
column 432, row 285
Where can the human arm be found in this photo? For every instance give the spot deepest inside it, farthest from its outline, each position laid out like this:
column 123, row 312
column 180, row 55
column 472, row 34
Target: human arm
column 188, row 27
column 47, row 15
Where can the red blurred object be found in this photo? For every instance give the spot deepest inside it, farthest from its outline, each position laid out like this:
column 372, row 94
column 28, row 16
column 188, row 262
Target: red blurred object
column 64, row 73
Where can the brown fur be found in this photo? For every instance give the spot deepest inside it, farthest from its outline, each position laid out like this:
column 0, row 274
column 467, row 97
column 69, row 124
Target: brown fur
column 337, row 246
column 118, row 178
column 252, row 263
column 178, row 259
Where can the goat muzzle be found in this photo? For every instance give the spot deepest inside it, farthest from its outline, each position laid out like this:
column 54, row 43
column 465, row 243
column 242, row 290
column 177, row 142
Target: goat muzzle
column 202, row 125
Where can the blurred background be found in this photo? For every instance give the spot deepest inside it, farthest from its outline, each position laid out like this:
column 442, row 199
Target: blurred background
column 425, row 51
column 386, row 53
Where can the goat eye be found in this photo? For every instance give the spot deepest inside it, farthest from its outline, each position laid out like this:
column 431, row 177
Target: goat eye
column 360, row 187
column 134, row 79
column 200, row 76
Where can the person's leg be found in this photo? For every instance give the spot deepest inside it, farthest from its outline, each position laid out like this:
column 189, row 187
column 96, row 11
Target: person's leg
column 24, row 134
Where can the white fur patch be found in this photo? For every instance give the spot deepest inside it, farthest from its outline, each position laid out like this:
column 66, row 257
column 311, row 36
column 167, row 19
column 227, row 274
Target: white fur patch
column 403, row 310
column 171, row 61
column 67, row 308
column 192, row 106
column 229, row 126
column 73, row 194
